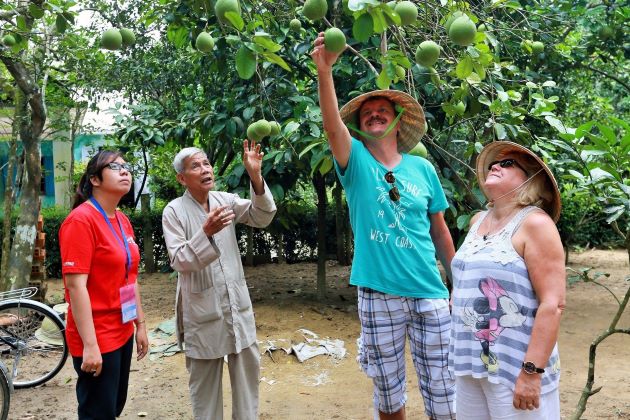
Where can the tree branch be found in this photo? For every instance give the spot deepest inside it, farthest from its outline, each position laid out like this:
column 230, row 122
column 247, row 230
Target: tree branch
column 610, row 76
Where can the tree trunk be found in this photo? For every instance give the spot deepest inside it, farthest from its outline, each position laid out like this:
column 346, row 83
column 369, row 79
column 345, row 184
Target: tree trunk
column 9, row 196
column 147, row 234
column 320, row 190
column 77, row 123
column 249, row 256
column 21, row 257
column 339, row 223
column 282, row 259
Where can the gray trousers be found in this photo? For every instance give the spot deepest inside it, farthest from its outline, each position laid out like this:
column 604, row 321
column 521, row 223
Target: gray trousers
column 206, row 387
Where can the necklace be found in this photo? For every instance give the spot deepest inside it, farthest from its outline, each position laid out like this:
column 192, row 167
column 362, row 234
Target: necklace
column 499, row 222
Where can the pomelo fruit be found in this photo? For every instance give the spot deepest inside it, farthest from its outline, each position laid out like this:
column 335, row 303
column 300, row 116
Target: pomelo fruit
column 258, row 130
column 427, row 53
column 537, row 47
column 204, row 42
column 462, row 31
column 111, row 39
column 295, row 25
column 315, row 9
column 407, row 11
column 334, row 40
column 275, row 128
column 419, row 150
column 8, row 40
column 223, row 6
column 451, row 19
column 128, row 37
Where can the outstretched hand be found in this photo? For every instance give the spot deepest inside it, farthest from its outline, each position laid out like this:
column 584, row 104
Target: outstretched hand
column 252, row 158
column 323, row 59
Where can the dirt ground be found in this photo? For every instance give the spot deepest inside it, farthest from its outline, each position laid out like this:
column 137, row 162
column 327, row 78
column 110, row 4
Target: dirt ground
column 328, row 388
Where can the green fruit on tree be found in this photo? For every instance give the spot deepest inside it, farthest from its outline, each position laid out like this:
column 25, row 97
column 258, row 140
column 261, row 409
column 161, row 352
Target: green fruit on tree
column 111, row 39
column 537, row 47
column 459, row 108
column 407, row 11
column 427, row 53
column 223, row 6
column 526, row 45
column 419, row 150
column 605, row 32
column 482, row 28
column 334, row 40
column 400, row 72
column 451, row 19
column 128, row 37
column 462, row 31
column 295, row 25
column 275, row 128
column 258, row 130
column 8, row 40
column 315, row 9
column 204, row 42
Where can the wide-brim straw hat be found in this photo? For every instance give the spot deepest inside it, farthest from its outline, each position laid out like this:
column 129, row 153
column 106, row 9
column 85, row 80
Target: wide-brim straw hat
column 412, row 123
column 494, row 149
column 49, row 333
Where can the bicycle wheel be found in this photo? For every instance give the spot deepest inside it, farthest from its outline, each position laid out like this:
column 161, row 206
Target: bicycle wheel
column 5, row 392
column 32, row 342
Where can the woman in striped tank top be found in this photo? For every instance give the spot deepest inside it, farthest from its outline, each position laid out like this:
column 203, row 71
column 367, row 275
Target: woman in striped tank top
column 509, row 292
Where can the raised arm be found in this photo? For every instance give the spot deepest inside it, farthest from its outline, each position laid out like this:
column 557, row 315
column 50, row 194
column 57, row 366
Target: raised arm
column 338, row 135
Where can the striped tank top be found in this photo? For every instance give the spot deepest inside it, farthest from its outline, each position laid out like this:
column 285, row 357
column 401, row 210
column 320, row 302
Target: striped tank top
column 494, row 306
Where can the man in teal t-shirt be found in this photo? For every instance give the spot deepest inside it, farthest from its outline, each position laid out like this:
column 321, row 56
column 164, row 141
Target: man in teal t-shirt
column 396, row 207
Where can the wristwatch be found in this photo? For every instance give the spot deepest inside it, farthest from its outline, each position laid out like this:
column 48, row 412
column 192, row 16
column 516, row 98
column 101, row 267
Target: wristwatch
column 530, row 368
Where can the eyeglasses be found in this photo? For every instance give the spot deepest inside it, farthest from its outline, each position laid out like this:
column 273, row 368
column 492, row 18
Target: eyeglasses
column 506, row 163
column 115, row 166
column 394, row 194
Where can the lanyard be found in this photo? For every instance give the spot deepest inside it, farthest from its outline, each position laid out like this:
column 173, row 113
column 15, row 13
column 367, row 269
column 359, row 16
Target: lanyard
column 122, row 242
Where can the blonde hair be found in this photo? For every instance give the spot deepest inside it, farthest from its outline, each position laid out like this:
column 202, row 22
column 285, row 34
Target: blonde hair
column 537, row 192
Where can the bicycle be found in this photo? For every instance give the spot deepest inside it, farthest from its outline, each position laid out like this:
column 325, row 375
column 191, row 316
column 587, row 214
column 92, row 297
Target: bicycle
column 32, row 339
column 6, row 388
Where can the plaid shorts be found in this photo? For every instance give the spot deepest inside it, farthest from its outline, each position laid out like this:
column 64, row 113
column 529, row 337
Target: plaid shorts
column 386, row 320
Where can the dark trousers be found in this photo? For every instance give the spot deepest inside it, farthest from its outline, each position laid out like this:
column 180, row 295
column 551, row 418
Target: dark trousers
column 103, row 397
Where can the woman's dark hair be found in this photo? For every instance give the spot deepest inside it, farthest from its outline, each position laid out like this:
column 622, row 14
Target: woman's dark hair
column 94, row 168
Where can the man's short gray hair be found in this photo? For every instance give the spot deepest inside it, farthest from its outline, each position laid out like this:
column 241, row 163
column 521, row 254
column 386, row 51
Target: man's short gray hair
column 178, row 162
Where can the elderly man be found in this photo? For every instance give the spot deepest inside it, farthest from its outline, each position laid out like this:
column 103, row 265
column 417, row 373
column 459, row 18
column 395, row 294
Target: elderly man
column 396, row 207
column 213, row 307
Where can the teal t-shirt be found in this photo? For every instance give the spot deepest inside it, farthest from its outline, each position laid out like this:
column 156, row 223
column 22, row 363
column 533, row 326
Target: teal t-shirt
column 393, row 250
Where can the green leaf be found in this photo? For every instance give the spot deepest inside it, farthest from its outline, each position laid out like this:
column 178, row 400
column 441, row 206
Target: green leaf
column 61, row 23
column 35, row 11
column 245, row 63
column 309, row 147
column 549, row 83
column 464, row 68
column 500, row 131
column 21, row 23
column 178, row 35
column 463, row 221
column 556, row 123
column 266, row 42
column 276, row 59
column 235, row 19
column 363, row 27
column 326, row 165
column 383, row 81
column 480, row 70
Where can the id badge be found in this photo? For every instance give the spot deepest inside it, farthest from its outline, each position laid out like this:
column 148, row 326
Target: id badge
column 128, row 303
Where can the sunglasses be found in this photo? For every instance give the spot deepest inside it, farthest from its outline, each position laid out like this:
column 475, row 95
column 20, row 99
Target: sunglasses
column 115, row 166
column 506, row 163
column 394, row 194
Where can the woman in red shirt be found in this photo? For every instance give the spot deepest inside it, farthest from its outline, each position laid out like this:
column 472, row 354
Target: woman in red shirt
column 100, row 267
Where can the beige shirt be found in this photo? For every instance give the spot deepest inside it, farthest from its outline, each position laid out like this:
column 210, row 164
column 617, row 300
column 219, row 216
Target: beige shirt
column 214, row 314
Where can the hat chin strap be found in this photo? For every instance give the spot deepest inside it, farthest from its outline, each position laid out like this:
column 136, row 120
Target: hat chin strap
column 515, row 188
column 367, row 136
